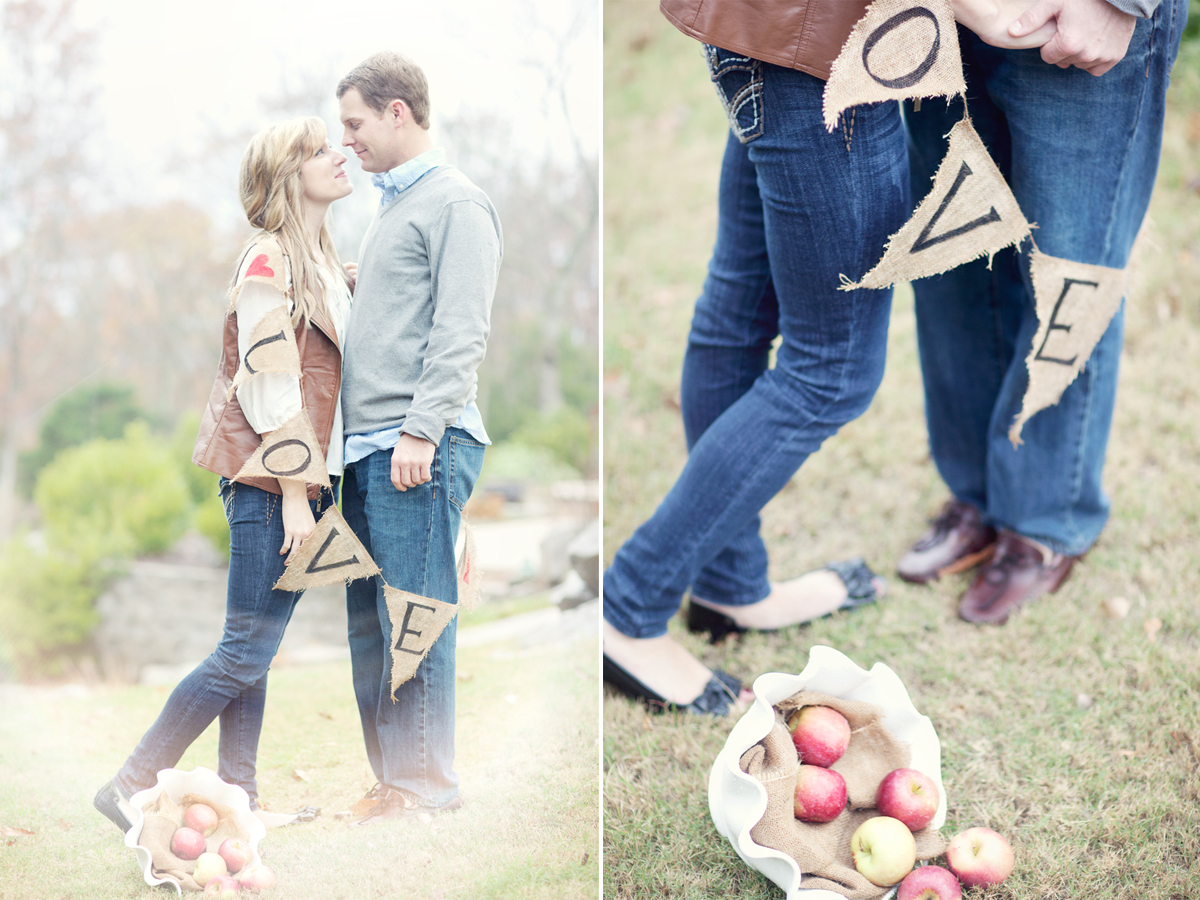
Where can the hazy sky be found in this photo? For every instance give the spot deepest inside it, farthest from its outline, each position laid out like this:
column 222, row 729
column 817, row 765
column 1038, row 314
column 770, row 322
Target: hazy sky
column 173, row 73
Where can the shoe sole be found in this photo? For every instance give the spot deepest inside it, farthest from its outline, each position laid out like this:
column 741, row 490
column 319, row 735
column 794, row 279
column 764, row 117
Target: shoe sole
column 962, row 564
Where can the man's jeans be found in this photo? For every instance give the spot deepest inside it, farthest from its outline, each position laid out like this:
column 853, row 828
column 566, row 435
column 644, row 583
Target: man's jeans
column 797, row 209
column 232, row 681
column 1080, row 154
column 411, row 535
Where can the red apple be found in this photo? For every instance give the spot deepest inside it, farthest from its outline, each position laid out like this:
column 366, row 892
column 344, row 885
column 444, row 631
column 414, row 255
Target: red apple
column 222, row 886
column 820, row 794
column 235, row 852
column 187, row 843
column 884, row 850
column 257, row 877
column 821, row 734
column 209, row 865
column 201, row 817
column 908, row 795
column 980, row 856
column 929, row 883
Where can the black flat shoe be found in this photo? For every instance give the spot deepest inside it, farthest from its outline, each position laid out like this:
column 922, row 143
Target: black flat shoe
column 855, row 574
column 108, row 803
column 715, row 700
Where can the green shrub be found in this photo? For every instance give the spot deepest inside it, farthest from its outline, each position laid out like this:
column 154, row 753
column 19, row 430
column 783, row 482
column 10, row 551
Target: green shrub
column 130, row 492
column 90, row 411
column 209, row 517
column 564, row 432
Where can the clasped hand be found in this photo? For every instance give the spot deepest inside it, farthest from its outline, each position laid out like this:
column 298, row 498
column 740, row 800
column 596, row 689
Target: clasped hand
column 1090, row 34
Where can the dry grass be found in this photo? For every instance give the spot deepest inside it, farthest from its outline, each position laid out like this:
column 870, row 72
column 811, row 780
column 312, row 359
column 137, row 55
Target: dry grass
column 1100, row 796
column 527, row 755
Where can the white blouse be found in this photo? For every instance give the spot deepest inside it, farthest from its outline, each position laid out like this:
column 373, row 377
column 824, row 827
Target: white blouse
column 269, row 399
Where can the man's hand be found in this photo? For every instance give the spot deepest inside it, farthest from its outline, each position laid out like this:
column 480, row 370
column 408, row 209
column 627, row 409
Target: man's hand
column 1092, row 34
column 990, row 19
column 411, row 461
column 351, row 274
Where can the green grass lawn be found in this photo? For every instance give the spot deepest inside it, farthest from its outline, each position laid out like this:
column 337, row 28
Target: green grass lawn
column 527, row 753
column 1075, row 734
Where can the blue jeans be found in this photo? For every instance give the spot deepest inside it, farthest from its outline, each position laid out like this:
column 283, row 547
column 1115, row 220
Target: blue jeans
column 796, row 209
column 1080, row 154
column 410, row 534
column 232, row 682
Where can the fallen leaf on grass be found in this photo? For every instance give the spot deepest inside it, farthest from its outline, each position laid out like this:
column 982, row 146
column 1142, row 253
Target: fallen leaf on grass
column 64, row 824
column 300, row 775
column 1116, row 607
column 325, row 715
column 1152, row 627
column 1128, row 753
column 11, row 831
column 583, row 862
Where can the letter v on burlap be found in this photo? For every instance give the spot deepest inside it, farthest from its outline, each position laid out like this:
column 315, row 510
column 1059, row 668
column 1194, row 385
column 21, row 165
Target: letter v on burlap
column 416, row 623
column 332, row 553
column 272, row 349
column 970, row 212
column 822, row 851
column 1075, row 303
column 898, row 49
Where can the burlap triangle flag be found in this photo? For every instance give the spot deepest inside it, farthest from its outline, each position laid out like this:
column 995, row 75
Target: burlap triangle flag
column 267, row 265
column 272, row 349
column 332, row 553
column 469, row 575
column 1075, row 303
column 416, row 623
column 969, row 213
column 898, row 49
column 290, row 452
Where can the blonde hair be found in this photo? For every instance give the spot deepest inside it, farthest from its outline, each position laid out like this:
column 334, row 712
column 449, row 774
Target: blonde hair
column 388, row 76
column 273, row 198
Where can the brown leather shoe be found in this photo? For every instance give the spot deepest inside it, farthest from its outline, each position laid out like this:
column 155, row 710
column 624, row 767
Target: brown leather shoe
column 391, row 804
column 1018, row 571
column 957, row 540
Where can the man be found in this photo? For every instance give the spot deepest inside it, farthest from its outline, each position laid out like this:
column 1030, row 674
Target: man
column 414, row 439
column 1076, row 129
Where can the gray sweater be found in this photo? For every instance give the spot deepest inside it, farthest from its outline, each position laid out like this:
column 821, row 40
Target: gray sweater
column 422, row 305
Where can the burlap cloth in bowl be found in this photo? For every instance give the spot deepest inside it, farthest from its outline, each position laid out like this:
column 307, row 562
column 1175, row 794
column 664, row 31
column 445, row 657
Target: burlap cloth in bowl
column 160, row 811
column 753, row 780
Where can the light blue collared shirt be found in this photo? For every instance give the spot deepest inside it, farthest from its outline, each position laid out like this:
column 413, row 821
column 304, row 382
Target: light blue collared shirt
column 393, row 183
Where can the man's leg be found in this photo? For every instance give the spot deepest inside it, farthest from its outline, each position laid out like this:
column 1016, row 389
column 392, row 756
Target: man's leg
column 412, row 535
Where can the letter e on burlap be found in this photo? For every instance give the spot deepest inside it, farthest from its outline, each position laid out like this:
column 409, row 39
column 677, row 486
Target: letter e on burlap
column 1075, row 303
column 290, row 452
column 416, row 623
column 332, row 553
column 272, row 349
column 970, row 212
column 898, row 49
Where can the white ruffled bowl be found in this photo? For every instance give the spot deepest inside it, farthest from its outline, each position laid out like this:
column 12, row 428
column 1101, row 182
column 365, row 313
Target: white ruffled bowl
column 737, row 801
column 178, row 784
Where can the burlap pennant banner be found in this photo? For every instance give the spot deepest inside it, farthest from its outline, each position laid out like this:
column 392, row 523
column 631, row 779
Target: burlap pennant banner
column 332, row 553
column 416, row 623
column 272, row 349
column 898, row 49
column 970, row 212
column 469, row 575
column 1075, row 303
column 291, row 452
column 267, row 266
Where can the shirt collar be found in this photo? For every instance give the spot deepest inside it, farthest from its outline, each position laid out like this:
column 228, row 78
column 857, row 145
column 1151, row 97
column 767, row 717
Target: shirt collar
column 408, row 173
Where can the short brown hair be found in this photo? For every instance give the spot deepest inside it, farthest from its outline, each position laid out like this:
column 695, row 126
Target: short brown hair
column 388, row 76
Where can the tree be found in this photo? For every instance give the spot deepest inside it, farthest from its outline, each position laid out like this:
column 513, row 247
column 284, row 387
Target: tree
column 45, row 98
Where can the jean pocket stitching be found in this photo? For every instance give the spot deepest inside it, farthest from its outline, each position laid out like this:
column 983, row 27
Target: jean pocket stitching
column 748, row 94
column 227, row 502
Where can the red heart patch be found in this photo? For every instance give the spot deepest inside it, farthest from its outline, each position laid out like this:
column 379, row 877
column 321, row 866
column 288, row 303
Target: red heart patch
column 259, row 267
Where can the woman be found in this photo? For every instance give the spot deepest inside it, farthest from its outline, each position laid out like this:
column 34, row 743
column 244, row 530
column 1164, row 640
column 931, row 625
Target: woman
column 798, row 207
column 289, row 176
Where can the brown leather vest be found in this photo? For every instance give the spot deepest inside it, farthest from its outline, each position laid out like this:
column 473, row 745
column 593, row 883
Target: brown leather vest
column 799, row 34
column 226, row 439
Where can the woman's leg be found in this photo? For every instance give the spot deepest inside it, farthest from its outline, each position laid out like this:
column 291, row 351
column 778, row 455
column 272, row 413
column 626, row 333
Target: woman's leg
column 231, row 682
column 825, row 211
